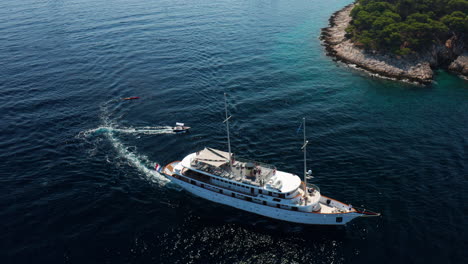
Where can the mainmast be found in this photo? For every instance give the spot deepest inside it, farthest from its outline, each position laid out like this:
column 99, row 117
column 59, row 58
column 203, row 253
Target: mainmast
column 227, row 129
column 304, row 148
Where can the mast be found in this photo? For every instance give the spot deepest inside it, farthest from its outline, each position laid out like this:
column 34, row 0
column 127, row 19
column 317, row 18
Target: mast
column 304, row 148
column 227, row 129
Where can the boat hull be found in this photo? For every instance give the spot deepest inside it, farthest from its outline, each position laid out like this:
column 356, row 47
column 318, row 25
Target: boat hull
column 180, row 129
column 268, row 211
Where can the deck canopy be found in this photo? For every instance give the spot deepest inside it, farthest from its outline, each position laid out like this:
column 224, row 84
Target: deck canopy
column 213, row 157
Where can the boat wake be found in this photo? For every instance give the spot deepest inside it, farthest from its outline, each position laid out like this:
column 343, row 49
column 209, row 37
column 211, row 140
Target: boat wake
column 158, row 130
column 139, row 161
column 111, row 131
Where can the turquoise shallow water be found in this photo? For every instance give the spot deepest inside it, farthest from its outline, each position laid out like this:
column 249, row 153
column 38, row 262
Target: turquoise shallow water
column 76, row 163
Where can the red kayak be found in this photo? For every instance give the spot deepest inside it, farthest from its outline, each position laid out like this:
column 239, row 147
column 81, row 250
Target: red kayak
column 131, row 98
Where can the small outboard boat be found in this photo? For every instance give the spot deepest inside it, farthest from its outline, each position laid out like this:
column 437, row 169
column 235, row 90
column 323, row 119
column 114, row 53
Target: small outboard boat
column 180, row 128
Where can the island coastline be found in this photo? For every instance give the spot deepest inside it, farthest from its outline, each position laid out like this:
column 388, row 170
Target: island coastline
column 417, row 67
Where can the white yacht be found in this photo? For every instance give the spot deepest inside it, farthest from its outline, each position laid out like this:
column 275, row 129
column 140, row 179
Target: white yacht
column 259, row 188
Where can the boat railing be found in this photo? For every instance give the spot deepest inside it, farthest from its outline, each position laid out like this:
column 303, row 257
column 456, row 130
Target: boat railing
column 255, row 163
column 210, row 169
column 314, row 187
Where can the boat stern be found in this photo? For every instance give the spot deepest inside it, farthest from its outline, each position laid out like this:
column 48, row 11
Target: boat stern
column 169, row 168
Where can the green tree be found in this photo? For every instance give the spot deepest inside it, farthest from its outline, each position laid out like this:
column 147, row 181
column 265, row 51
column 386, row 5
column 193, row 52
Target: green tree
column 457, row 21
column 403, row 26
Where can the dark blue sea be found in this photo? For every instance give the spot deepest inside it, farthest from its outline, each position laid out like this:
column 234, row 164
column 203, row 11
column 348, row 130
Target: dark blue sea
column 76, row 162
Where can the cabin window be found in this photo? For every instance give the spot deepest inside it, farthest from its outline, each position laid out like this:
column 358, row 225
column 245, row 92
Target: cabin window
column 203, row 185
column 294, row 208
column 264, row 203
column 192, row 181
column 269, row 193
column 339, row 219
column 260, row 191
column 220, row 191
column 276, row 200
column 278, row 205
column 248, row 199
column 282, row 195
column 233, row 195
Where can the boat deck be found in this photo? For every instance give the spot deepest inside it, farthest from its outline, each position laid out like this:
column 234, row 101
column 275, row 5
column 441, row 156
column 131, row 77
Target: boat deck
column 259, row 175
column 169, row 168
column 217, row 162
column 326, row 209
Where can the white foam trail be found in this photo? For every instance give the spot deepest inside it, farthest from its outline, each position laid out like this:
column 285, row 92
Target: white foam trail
column 129, row 130
column 141, row 162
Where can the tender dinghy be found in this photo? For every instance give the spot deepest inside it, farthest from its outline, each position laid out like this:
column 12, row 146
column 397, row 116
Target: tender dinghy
column 180, row 128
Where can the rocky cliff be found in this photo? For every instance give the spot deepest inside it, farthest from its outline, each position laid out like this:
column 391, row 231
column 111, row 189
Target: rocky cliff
column 414, row 67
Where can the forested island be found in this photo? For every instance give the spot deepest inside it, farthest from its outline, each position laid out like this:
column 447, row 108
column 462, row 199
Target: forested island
column 404, row 39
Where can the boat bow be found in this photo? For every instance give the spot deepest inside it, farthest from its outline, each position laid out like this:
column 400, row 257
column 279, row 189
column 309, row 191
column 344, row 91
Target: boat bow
column 365, row 213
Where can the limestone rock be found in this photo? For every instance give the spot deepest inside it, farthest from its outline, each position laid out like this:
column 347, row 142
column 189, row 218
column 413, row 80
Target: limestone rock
column 460, row 65
column 414, row 67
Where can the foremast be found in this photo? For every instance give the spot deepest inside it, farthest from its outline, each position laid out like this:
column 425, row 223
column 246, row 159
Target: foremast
column 226, row 120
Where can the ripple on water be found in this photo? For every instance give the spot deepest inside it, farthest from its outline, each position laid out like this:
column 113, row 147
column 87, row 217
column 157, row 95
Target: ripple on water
column 77, row 163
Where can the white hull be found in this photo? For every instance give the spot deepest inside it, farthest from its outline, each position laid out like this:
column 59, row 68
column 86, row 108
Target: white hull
column 272, row 212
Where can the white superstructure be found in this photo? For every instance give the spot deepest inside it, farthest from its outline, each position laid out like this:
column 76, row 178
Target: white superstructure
column 257, row 188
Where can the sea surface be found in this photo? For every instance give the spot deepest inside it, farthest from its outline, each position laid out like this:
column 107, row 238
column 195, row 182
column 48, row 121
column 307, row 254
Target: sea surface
column 76, row 162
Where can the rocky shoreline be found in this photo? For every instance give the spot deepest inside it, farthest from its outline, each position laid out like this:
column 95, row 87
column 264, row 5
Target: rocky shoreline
column 413, row 68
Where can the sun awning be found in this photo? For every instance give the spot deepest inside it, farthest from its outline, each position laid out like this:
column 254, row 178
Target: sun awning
column 213, row 157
